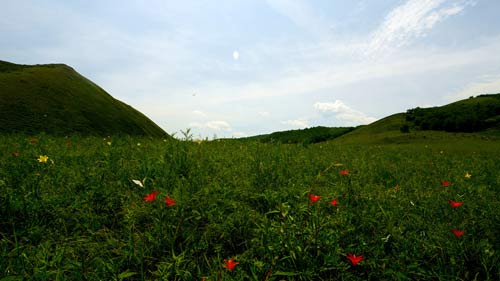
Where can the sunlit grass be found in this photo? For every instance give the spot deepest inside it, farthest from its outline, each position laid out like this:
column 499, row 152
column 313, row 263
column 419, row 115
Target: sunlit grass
column 104, row 209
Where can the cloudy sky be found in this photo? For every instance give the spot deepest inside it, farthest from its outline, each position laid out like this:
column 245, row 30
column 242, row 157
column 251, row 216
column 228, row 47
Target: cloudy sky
column 245, row 67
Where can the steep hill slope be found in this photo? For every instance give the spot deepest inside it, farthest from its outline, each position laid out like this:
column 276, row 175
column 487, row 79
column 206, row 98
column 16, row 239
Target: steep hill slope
column 55, row 99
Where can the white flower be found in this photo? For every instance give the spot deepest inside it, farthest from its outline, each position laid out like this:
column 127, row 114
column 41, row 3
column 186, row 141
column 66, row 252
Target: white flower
column 138, row 182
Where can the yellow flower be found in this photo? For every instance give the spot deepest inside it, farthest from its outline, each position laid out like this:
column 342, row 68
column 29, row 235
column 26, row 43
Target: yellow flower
column 43, row 158
column 109, row 143
column 467, row 175
column 138, row 144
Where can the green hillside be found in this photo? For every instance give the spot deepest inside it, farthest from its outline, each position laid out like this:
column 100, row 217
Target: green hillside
column 468, row 119
column 55, row 99
column 470, row 115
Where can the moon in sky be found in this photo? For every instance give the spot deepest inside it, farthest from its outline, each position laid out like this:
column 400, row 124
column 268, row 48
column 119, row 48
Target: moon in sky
column 236, row 55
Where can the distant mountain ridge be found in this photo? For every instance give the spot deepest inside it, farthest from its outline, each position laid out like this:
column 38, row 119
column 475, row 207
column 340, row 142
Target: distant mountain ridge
column 55, row 99
column 304, row 136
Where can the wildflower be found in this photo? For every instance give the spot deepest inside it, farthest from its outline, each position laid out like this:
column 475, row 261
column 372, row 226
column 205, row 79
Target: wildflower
column 230, row 264
column 138, row 144
column 33, row 140
column 314, row 198
column 344, row 172
column 151, row 197
column 354, row 259
column 397, row 187
column 138, row 182
column 169, row 201
column 109, row 143
column 445, row 183
column 15, row 154
column 43, row 158
column 467, row 175
column 457, row 232
column 334, row 202
column 456, row 204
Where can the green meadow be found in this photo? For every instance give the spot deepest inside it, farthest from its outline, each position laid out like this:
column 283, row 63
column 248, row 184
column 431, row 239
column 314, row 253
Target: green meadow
column 94, row 209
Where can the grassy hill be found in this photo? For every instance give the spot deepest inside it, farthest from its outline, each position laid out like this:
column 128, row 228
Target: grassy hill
column 55, row 99
column 470, row 115
column 472, row 118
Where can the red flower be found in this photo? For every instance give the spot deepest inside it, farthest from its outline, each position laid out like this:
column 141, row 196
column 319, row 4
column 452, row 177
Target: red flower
column 344, row 172
column 354, row 259
column 456, row 204
column 445, row 183
column 151, row 196
column 334, row 202
column 33, row 140
column 169, row 201
column 397, row 187
column 314, row 198
column 457, row 232
column 230, row 264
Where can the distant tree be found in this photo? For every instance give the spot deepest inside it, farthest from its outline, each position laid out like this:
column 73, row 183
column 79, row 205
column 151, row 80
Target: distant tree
column 405, row 128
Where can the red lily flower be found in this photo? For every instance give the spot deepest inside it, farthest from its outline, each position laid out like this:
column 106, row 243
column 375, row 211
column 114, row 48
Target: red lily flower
column 314, row 198
column 445, row 183
column 334, row 202
column 354, row 259
column 151, row 196
column 169, row 201
column 344, row 172
column 457, row 232
column 230, row 264
column 456, row 204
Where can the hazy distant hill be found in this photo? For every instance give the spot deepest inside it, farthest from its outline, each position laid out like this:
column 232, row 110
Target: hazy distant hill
column 305, row 136
column 55, row 99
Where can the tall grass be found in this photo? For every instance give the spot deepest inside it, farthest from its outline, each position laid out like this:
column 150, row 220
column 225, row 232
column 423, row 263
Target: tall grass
column 80, row 216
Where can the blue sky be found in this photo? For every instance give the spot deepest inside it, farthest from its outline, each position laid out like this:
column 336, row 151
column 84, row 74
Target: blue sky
column 245, row 67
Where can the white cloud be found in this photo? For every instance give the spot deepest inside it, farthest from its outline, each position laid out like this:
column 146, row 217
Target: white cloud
column 199, row 113
column 264, row 113
column 488, row 84
column 218, row 125
column 343, row 112
column 411, row 20
column 298, row 123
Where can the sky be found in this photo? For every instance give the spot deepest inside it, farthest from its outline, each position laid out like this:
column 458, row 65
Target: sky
column 235, row 68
